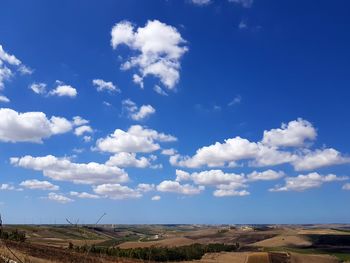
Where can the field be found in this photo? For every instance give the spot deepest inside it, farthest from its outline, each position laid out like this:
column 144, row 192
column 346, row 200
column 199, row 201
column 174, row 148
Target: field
column 187, row 243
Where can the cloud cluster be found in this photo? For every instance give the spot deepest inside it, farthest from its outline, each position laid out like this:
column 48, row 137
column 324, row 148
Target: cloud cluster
column 62, row 169
column 288, row 144
column 30, row 126
column 137, row 113
column 304, row 182
column 227, row 184
column 135, row 139
column 158, row 47
column 61, row 90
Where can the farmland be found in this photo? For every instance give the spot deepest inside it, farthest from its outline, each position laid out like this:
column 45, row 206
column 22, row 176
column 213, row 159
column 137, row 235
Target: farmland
column 186, row 243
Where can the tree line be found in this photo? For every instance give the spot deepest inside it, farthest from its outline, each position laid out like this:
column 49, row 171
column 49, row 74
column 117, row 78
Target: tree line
column 181, row 253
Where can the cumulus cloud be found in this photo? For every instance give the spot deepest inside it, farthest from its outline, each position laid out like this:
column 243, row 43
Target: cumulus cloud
column 84, row 195
column 145, row 187
column 176, row 187
column 169, row 151
column 4, row 99
column 182, row 176
column 63, row 90
column 59, row 198
column 124, row 159
column 116, row 191
column 38, row 88
column 288, row 144
column 102, row 85
column 158, row 49
column 39, row 185
column 265, row 175
column 311, row 160
column 304, row 182
column 62, row 169
column 137, row 113
column 135, row 139
column 30, row 126
column 243, row 3
column 78, row 121
column 231, row 151
column 227, row 184
column 7, row 64
column 81, row 130
column 293, row 134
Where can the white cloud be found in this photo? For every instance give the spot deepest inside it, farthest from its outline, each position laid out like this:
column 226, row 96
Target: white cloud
column 176, row 187
column 156, row 198
column 308, row 181
column 169, row 151
column 136, row 139
column 38, row 88
column 201, row 2
column 30, row 126
column 84, row 195
column 311, row 160
column 102, row 85
column 82, row 130
column 243, row 3
column 287, row 144
column 6, row 61
column 124, row 159
column 293, row 134
column 39, row 185
column 62, row 169
column 229, row 192
column 137, row 113
column 346, row 186
column 159, row 48
column 218, row 177
column 4, row 99
column 64, row 91
column 145, row 187
column 59, row 198
column 77, row 120
column 218, row 154
column 265, row 175
column 116, row 191
column 182, row 176
column 159, row 90
column 7, row 187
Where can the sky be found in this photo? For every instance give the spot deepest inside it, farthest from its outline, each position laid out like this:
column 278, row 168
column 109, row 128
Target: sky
column 175, row 111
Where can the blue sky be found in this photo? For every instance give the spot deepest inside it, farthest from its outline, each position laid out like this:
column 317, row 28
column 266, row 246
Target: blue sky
column 178, row 111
